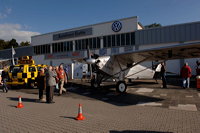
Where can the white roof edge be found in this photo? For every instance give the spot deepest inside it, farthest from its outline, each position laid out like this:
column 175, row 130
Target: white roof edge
column 85, row 26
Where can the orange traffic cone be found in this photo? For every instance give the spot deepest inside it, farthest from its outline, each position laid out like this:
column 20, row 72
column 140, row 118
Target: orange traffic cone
column 20, row 105
column 80, row 113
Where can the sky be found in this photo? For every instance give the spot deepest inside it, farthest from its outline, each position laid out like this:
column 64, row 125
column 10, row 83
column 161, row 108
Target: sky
column 21, row 19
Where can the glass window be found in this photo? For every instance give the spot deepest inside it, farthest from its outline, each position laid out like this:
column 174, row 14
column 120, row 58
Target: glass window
column 16, row 69
column 34, row 50
column 90, row 43
column 56, row 48
column 43, row 49
column 37, row 49
column 127, row 39
column 83, row 44
column 86, row 43
column 76, row 45
column 71, row 46
column 98, row 42
column 31, row 69
column 105, row 41
column 94, row 43
column 133, row 38
column 122, row 39
column 40, row 49
column 53, row 47
column 113, row 40
column 109, row 41
column 79, row 45
column 61, row 47
column 48, row 48
column 65, row 46
column 118, row 40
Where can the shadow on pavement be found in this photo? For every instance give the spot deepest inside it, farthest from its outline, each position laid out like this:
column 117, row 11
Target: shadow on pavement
column 68, row 117
column 12, row 106
column 137, row 131
column 108, row 94
column 23, row 99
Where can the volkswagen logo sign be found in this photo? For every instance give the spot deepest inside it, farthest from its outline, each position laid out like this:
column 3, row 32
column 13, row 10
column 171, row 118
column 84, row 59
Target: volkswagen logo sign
column 116, row 26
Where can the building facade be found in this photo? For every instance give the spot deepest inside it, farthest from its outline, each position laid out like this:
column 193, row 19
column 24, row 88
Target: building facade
column 107, row 38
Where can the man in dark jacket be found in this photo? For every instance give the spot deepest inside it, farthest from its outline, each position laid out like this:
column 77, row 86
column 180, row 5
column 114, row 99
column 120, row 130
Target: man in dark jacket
column 4, row 77
column 162, row 73
column 186, row 73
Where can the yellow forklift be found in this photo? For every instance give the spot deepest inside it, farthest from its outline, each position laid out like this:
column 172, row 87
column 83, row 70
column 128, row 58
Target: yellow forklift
column 24, row 73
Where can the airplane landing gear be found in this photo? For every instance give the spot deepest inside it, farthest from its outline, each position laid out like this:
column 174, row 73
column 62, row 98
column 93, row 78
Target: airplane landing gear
column 94, row 84
column 121, row 87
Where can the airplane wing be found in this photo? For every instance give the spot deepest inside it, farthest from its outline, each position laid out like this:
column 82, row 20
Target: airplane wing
column 178, row 51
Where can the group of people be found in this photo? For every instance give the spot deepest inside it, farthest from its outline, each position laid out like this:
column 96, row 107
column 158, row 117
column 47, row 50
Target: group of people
column 51, row 78
column 185, row 73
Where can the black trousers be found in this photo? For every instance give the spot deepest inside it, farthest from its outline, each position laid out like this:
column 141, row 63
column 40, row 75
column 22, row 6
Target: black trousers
column 5, row 88
column 41, row 92
column 164, row 80
column 49, row 93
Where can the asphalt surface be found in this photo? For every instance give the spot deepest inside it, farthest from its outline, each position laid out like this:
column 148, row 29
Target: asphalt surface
column 146, row 107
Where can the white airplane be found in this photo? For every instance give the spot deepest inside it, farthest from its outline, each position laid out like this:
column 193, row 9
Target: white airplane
column 121, row 66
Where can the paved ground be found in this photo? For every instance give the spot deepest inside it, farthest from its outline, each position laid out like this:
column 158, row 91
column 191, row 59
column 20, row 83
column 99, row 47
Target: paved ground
column 144, row 108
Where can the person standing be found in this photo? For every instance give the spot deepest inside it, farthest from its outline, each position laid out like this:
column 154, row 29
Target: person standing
column 57, row 80
column 62, row 79
column 4, row 78
column 186, row 73
column 163, row 73
column 41, row 84
column 50, row 84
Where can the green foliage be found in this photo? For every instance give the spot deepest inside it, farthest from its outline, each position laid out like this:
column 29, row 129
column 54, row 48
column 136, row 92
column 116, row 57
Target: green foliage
column 13, row 43
column 4, row 44
column 25, row 43
column 8, row 44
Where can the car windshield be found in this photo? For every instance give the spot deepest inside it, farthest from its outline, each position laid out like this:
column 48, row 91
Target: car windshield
column 39, row 68
column 32, row 69
column 16, row 69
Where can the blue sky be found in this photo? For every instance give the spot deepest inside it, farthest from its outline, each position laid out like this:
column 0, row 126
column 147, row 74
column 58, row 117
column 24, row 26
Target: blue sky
column 22, row 18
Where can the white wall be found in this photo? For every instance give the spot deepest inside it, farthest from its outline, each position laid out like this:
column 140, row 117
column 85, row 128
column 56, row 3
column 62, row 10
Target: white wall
column 39, row 59
column 128, row 25
column 41, row 39
column 173, row 66
column 192, row 64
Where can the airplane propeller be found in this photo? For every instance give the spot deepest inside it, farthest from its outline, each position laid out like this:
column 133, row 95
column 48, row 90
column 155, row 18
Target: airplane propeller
column 90, row 60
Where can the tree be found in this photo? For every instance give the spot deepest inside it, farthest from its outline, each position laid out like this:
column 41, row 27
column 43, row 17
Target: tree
column 25, row 43
column 3, row 44
column 153, row 25
column 13, row 43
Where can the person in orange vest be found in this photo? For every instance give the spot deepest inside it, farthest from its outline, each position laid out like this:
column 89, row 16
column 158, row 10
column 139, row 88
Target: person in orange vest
column 186, row 73
column 62, row 79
